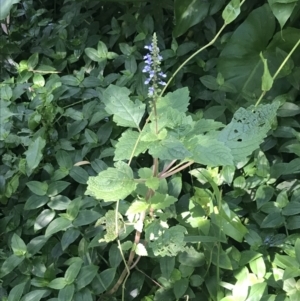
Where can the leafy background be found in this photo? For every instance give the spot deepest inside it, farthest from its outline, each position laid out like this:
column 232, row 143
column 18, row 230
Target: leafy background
column 58, row 59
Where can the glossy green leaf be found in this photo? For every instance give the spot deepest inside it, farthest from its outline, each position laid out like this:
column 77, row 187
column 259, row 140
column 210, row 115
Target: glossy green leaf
column 86, row 217
column 35, row 295
column 18, row 246
column 6, row 7
column 34, row 154
column 35, row 201
column 72, row 271
column 167, row 265
column 69, row 236
column 16, row 293
column 239, row 61
column 86, row 276
column 36, row 244
column 39, row 188
column 67, row 293
column 59, row 224
column 104, row 280
column 43, row 219
column 187, row 14
column 10, row 264
column 282, row 10
column 58, row 283
column 231, row 11
column 273, row 220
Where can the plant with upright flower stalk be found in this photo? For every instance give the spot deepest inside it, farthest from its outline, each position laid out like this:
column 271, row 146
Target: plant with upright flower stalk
column 155, row 75
column 153, row 69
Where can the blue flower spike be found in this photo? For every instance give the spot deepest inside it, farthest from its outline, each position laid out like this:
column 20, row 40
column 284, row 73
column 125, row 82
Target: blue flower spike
column 152, row 68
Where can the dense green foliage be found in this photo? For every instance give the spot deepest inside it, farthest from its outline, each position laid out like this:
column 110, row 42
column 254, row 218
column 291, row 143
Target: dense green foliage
column 107, row 193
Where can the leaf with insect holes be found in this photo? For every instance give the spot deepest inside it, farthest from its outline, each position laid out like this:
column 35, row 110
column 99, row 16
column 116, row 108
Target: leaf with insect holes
column 112, row 184
column 248, row 128
column 125, row 112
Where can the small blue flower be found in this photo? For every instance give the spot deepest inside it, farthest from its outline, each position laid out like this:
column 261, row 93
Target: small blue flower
column 152, row 67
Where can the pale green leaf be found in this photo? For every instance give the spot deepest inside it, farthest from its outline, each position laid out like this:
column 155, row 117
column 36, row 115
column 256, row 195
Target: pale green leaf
column 126, row 144
column 161, row 201
column 18, row 246
column 137, row 207
column 5, row 7
column 178, row 100
column 125, row 112
column 231, row 11
column 282, row 10
column 169, row 149
column 267, row 80
column 141, row 250
column 35, row 295
column 209, row 151
column 112, row 184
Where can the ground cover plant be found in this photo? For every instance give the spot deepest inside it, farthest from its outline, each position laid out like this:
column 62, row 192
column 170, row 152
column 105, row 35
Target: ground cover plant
column 150, row 150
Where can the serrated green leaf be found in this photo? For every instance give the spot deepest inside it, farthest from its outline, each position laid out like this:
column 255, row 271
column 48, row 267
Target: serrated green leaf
column 161, row 201
column 109, row 220
column 169, row 149
column 152, row 183
column 126, row 144
column 209, row 151
column 247, row 130
column 137, row 207
column 178, row 100
column 112, row 184
column 34, row 154
column 125, row 112
column 163, row 241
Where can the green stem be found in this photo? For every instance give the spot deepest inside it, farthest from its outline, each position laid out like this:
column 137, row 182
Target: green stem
column 278, row 70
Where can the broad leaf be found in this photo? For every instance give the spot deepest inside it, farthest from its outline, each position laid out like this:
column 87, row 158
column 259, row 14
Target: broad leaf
column 112, row 184
column 34, row 154
column 125, row 112
column 5, row 7
column 247, row 130
column 188, row 13
column 126, row 144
